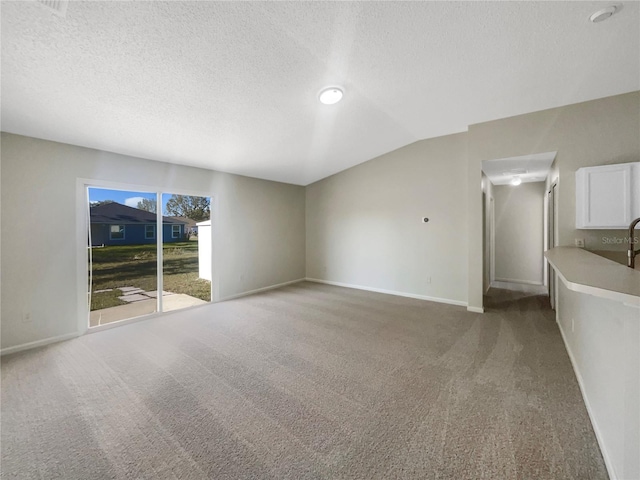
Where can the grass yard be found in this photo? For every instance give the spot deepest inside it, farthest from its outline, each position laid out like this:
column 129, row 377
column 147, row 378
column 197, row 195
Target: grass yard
column 135, row 266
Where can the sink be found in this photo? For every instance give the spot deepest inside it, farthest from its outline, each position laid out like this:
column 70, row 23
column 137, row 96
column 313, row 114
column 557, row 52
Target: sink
column 618, row 256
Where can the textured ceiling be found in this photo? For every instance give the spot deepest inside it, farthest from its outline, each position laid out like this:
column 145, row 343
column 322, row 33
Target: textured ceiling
column 233, row 86
column 530, row 168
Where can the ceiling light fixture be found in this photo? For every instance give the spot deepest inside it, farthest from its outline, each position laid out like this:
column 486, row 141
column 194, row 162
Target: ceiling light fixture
column 516, row 181
column 330, row 95
column 603, row 14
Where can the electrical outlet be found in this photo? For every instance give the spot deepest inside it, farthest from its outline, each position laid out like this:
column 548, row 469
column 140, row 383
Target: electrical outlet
column 579, row 242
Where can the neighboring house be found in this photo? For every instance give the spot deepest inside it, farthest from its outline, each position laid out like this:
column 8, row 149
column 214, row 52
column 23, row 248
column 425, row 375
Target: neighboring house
column 191, row 226
column 117, row 224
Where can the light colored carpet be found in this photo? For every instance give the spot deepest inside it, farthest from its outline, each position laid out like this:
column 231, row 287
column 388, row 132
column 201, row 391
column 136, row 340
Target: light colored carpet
column 309, row 381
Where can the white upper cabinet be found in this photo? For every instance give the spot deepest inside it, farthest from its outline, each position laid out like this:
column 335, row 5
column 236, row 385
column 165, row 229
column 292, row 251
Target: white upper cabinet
column 607, row 196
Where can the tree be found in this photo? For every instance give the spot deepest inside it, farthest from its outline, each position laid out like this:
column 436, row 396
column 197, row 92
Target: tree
column 148, row 204
column 195, row 208
column 100, row 202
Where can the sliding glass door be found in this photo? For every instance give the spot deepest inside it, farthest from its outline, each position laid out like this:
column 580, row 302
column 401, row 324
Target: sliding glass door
column 127, row 269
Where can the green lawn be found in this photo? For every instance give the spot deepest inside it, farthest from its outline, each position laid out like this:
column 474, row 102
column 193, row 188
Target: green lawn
column 135, row 266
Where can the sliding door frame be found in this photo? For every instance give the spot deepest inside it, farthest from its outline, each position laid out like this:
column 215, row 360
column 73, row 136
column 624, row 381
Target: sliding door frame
column 83, row 224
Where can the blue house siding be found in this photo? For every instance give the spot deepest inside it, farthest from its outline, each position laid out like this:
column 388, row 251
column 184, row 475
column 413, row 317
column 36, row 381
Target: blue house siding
column 116, row 224
column 167, row 236
column 134, row 234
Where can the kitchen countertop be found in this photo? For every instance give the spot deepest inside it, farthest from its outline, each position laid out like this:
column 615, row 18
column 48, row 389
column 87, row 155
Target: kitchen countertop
column 586, row 272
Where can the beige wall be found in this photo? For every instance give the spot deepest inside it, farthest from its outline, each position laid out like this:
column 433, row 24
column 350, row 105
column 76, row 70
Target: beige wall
column 364, row 224
column 260, row 229
column 603, row 131
column 592, row 133
column 519, row 233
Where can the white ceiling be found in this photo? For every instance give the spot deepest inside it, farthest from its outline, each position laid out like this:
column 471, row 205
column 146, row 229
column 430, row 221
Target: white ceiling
column 530, row 168
column 233, row 86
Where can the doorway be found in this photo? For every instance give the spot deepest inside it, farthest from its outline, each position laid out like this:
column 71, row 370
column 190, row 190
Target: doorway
column 515, row 222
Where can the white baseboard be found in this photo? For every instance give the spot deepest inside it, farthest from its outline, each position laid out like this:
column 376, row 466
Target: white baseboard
column 519, row 286
column 475, row 309
column 258, row 290
column 60, row 338
column 516, row 280
column 38, row 343
column 605, row 455
column 390, row 292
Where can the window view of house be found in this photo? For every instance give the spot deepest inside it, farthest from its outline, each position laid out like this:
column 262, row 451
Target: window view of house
column 123, row 256
column 113, row 223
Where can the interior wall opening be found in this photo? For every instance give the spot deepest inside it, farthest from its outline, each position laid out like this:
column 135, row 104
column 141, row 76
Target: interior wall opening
column 515, row 221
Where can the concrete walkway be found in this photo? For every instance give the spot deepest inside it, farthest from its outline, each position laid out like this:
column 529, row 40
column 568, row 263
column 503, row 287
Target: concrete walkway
column 144, row 303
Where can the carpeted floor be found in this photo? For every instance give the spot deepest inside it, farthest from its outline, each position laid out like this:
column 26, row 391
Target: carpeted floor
column 309, row 381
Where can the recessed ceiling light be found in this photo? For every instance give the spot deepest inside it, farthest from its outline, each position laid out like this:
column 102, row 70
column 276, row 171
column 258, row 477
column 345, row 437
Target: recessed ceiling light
column 330, row 95
column 603, row 14
column 516, row 181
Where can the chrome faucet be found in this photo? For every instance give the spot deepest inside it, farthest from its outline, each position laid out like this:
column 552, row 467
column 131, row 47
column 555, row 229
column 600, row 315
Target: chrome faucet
column 632, row 252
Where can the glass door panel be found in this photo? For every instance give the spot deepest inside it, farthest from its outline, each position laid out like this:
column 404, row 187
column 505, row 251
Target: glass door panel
column 186, row 251
column 122, row 255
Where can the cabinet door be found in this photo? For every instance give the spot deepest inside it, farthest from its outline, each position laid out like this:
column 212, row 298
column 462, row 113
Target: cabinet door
column 603, row 196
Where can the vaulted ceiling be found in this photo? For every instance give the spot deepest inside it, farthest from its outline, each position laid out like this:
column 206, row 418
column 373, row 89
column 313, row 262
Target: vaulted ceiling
column 233, row 86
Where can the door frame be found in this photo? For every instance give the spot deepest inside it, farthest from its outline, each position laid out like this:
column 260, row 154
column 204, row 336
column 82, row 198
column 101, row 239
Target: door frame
column 551, row 238
column 492, row 240
column 545, row 238
column 82, row 225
